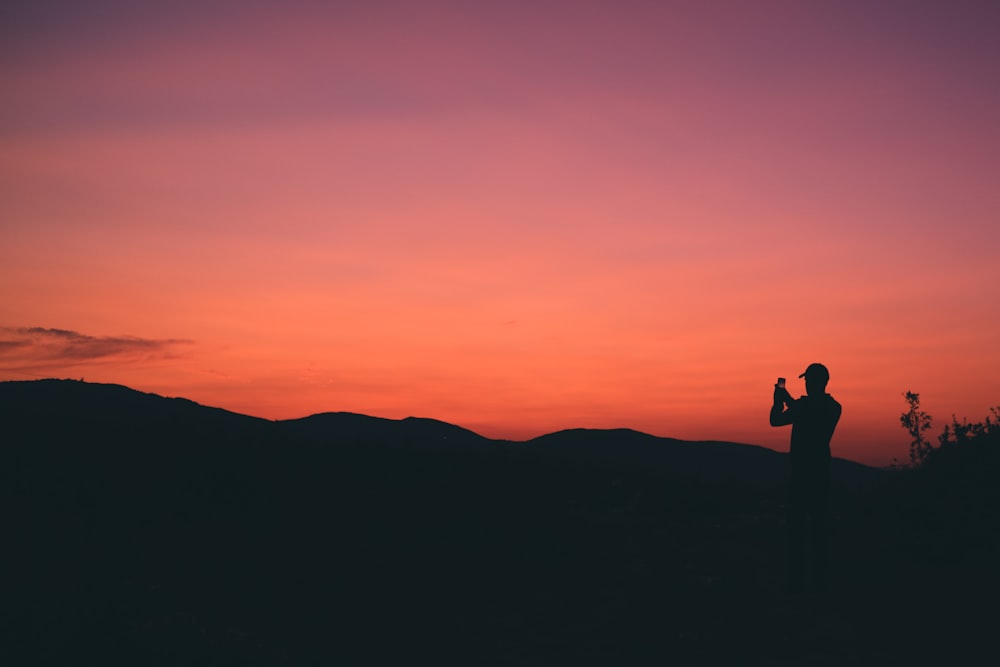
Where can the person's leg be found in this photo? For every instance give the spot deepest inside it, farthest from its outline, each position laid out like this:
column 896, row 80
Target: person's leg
column 796, row 540
column 820, row 541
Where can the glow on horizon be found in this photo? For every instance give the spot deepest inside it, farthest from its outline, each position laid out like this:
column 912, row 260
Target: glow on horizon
column 516, row 218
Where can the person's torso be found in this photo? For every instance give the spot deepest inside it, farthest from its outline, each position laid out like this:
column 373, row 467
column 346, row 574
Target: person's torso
column 815, row 420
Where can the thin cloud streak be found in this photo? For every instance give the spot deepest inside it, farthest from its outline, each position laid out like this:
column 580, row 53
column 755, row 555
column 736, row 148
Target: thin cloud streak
column 27, row 347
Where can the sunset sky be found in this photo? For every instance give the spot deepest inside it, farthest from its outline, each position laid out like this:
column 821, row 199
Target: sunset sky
column 513, row 216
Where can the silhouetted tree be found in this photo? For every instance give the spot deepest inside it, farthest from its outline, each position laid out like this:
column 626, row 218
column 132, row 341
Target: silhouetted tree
column 916, row 421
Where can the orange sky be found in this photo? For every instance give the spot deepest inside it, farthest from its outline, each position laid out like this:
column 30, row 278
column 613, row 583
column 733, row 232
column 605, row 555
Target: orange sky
column 517, row 217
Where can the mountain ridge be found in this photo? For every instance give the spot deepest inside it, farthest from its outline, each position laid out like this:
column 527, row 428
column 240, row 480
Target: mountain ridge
column 105, row 407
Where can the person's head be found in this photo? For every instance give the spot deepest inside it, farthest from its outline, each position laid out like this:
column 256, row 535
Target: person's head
column 816, row 378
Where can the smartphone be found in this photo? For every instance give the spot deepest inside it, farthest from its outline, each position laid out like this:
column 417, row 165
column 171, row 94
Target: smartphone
column 781, row 383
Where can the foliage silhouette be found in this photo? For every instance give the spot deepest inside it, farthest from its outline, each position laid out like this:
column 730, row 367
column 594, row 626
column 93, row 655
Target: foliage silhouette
column 916, row 421
column 963, row 447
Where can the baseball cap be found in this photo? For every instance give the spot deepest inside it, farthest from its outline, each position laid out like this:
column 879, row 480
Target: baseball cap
column 817, row 371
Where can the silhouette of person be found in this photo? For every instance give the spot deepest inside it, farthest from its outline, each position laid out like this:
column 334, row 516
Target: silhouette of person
column 813, row 418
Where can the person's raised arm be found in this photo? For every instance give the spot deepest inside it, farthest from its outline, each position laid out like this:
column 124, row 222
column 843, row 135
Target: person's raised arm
column 780, row 416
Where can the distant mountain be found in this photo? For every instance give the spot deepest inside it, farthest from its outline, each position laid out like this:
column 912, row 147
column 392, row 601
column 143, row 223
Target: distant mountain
column 706, row 460
column 88, row 412
column 361, row 429
column 41, row 403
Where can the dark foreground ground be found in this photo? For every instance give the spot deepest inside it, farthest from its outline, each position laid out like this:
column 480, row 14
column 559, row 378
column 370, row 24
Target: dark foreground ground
column 125, row 548
column 477, row 562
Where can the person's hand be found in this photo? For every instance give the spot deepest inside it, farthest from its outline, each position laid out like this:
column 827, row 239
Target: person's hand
column 781, row 395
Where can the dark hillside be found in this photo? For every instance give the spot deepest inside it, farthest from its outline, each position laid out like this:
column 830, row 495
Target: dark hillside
column 709, row 461
column 346, row 427
column 56, row 402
